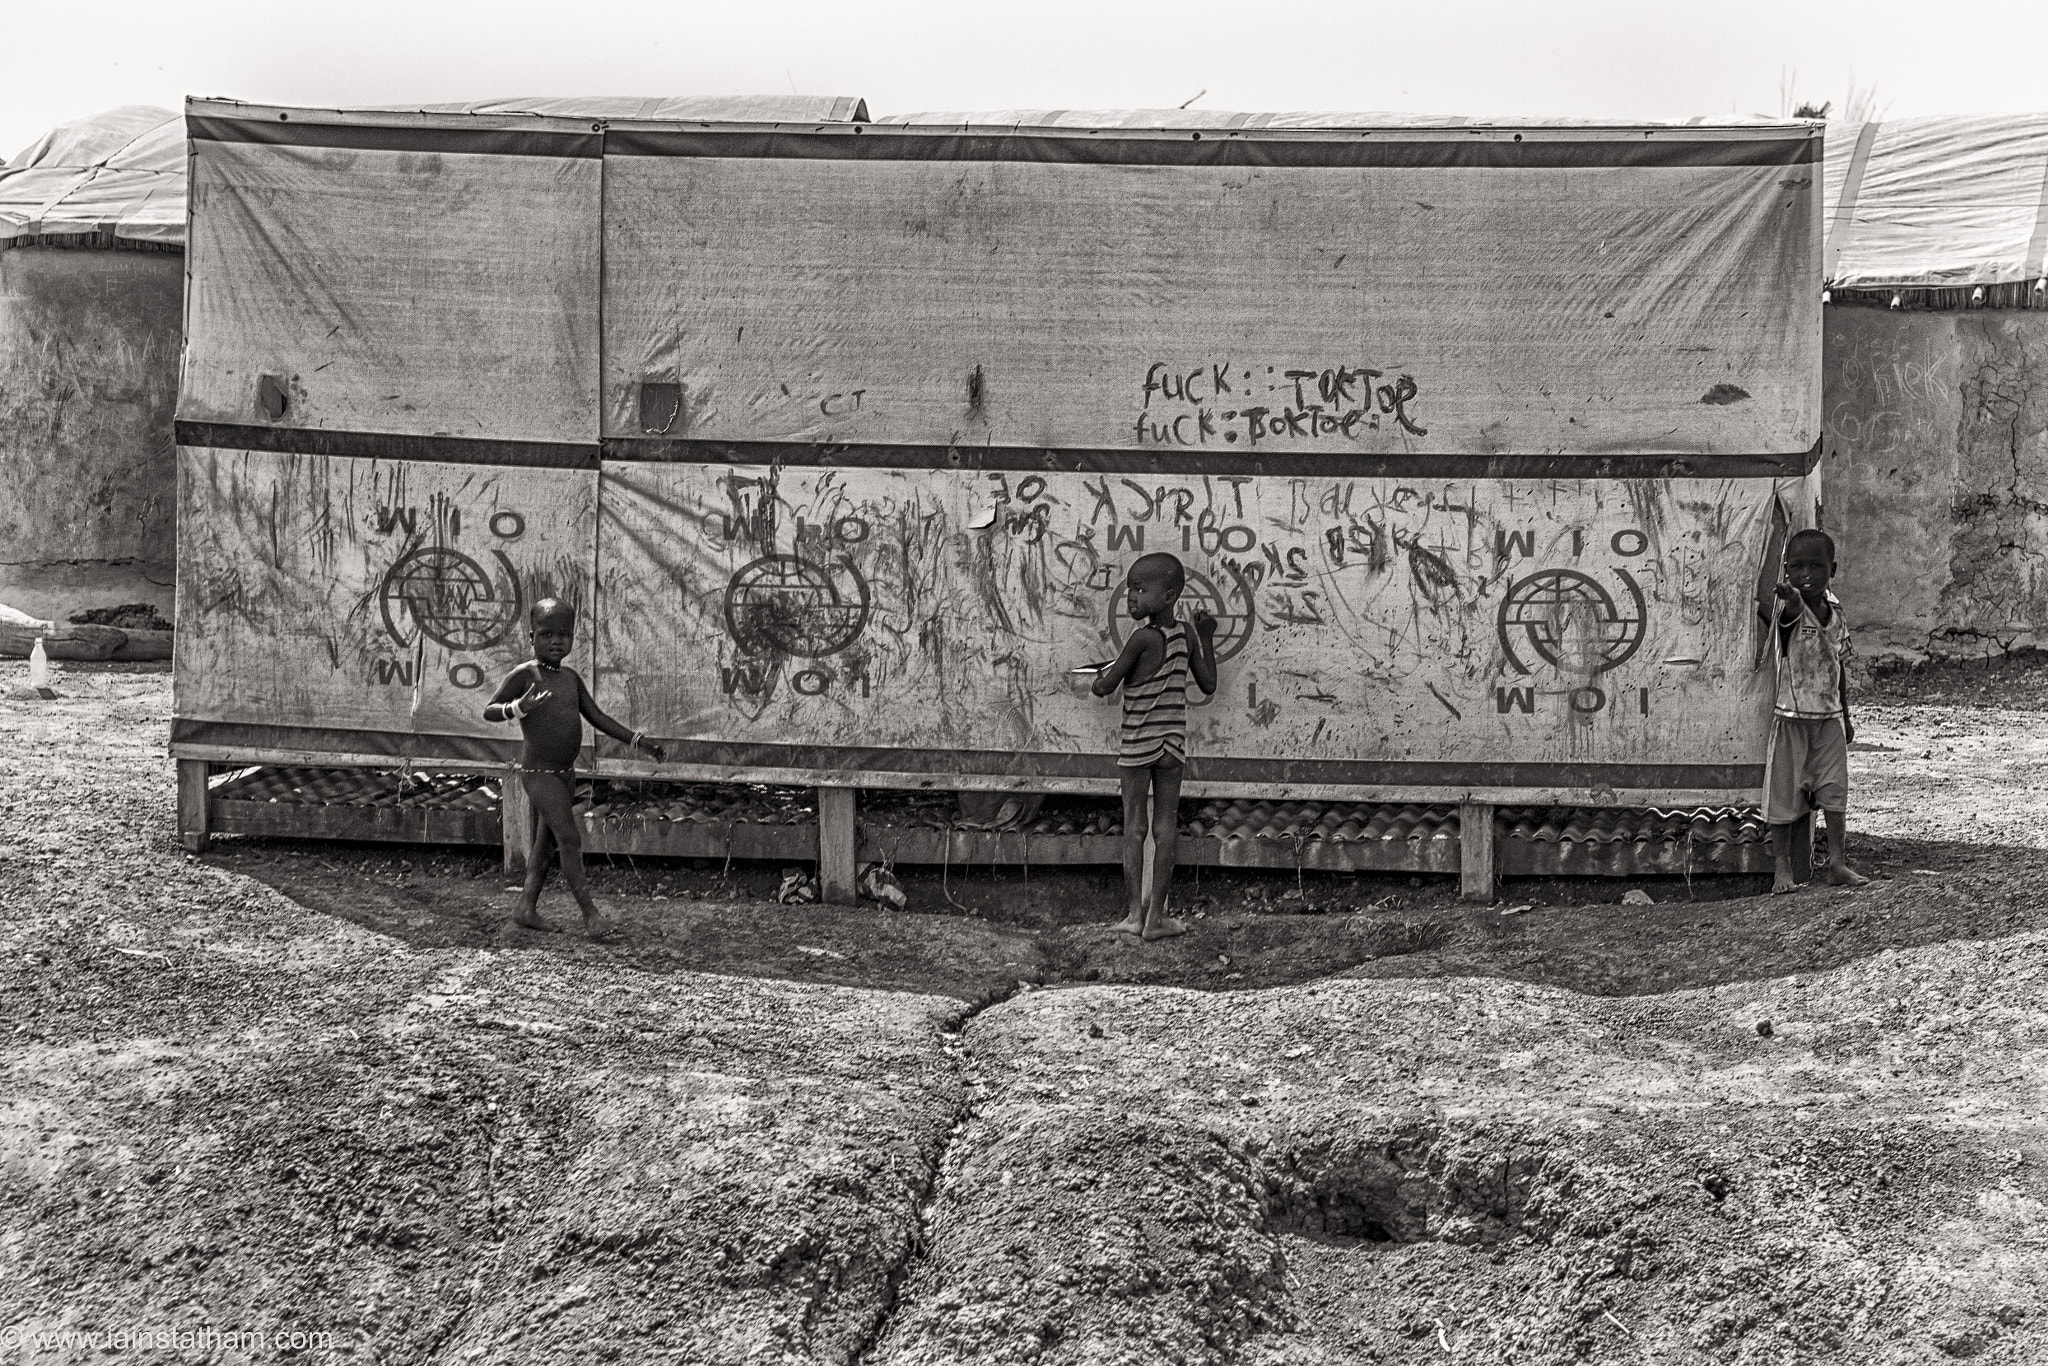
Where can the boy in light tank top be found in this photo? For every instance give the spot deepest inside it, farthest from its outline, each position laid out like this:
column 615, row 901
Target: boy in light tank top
column 1153, row 672
column 1808, row 762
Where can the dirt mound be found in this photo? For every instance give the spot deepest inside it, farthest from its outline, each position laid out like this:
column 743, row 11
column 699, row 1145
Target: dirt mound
column 395, row 1122
column 1396, row 1171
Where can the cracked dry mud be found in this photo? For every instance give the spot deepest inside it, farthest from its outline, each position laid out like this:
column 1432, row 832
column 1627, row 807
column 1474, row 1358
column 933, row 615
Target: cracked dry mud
column 374, row 1111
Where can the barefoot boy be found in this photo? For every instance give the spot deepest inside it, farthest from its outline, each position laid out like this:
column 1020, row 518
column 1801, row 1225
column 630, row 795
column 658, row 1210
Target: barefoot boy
column 550, row 703
column 1153, row 673
column 1810, row 725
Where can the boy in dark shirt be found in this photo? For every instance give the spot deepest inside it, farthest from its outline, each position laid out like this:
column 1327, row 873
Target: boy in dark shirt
column 550, row 703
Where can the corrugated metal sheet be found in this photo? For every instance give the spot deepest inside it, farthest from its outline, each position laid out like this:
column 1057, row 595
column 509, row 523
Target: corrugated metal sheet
column 360, row 787
column 1337, row 822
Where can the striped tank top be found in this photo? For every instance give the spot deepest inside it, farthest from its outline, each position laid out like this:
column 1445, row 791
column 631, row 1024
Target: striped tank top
column 1156, row 711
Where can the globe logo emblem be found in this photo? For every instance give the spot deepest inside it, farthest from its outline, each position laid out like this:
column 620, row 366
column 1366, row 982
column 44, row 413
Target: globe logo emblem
column 450, row 599
column 1569, row 621
column 784, row 604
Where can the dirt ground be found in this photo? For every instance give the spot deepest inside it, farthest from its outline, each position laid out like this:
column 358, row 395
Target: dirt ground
column 323, row 1088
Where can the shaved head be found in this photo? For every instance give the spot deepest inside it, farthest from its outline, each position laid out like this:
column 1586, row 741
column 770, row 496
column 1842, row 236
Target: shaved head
column 1812, row 537
column 1160, row 567
column 552, row 613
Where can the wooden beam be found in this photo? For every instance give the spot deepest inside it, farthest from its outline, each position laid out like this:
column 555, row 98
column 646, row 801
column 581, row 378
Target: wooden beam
column 837, row 841
column 515, row 821
column 341, row 821
column 1475, row 851
column 192, row 798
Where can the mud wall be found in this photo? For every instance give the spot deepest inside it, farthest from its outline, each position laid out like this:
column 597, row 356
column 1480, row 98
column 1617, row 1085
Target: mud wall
column 1936, row 476
column 89, row 344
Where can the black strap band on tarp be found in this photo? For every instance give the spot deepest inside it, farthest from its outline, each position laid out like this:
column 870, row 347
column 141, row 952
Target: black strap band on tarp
column 1195, row 462
column 367, row 137
column 1495, row 150
column 1000, row 763
column 450, row 450
column 398, row 745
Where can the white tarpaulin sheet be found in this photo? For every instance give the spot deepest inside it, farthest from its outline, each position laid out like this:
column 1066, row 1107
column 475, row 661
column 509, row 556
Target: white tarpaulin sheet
column 1468, row 436
column 1472, row 291
column 1937, row 201
column 1586, row 637
column 367, row 605
column 1376, row 632
column 121, row 170
column 412, row 279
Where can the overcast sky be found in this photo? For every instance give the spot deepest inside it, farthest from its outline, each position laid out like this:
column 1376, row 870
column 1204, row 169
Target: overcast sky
column 1542, row 58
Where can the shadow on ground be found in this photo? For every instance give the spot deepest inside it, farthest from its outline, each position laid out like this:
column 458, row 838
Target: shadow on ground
column 974, row 935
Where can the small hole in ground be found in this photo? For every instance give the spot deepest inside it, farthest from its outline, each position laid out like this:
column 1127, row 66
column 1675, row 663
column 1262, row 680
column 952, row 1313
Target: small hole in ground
column 1404, row 1188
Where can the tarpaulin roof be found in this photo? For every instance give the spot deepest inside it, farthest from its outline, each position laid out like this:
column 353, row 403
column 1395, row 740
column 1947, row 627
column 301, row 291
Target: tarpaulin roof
column 1206, row 119
column 120, row 171
column 123, row 170
column 683, row 108
column 1933, row 202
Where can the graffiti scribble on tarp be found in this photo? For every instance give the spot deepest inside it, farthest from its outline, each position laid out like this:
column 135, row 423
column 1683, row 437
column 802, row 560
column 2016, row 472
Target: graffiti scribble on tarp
column 1362, row 618
column 1217, row 403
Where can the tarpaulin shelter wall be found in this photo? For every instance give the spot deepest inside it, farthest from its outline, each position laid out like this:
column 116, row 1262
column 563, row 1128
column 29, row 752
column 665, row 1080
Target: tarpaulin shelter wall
column 1476, row 441
column 92, row 220
column 1937, row 425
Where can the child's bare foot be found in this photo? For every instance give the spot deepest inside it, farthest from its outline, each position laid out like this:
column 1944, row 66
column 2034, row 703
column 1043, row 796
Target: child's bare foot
column 529, row 920
column 1134, row 923
column 598, row 927
column 1845, row 876
column 1165, row 927
column 1783, row 884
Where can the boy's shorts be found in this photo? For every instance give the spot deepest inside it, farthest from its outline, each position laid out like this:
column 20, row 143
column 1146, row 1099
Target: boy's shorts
column 1808, row 768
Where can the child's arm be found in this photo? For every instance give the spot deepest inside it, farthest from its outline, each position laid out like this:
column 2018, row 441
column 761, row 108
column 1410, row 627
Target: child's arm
column 519, row 694
column 633, row 739
column 1138, row 662
column 1789, row 606
column 1848, row 726
column 1202, row 659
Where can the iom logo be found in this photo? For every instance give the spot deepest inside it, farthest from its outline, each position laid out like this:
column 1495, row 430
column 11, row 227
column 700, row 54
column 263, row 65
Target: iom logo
column 1570, row 621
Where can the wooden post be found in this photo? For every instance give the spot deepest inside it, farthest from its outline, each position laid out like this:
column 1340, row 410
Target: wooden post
column 1475, row 851
column 515, row 818
column 192, row 797
column 836, row 846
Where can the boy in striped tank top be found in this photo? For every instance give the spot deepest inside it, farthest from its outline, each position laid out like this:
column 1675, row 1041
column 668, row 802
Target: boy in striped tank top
column 1153, row 672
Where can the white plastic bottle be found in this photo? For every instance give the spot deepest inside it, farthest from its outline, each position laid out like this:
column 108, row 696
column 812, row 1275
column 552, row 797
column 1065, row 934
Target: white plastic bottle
column 38, row 666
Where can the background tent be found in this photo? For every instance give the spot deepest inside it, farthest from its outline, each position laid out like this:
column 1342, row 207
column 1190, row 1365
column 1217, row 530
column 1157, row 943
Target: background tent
column 1936, row 379
column 92, row 230
column 92, row 224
